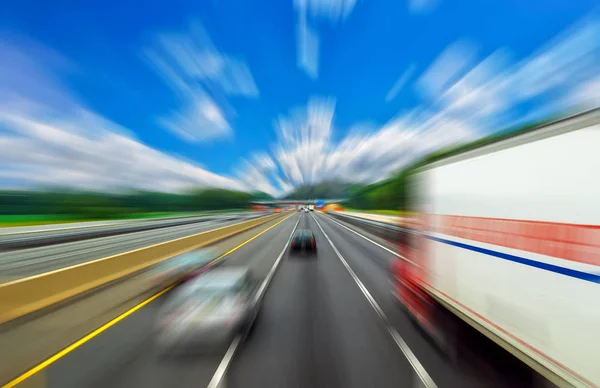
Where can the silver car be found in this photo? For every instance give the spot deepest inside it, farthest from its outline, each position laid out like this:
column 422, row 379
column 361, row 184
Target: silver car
column 182, row 267
column 208, row 310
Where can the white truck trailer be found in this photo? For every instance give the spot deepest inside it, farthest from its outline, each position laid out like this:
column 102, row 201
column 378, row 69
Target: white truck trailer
column 509, row 242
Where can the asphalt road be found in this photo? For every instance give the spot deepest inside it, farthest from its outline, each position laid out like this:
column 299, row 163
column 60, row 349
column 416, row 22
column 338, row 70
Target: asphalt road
column 34, row 261
column 317, row 328
column 19, row 239
column 54, row 230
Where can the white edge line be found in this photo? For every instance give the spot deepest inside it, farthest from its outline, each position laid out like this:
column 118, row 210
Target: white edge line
column 410, row 356
column 373, row 242
column 123, row 253
column 226, row 361
column 467, row 313
column 117, row 223
column 543, row 361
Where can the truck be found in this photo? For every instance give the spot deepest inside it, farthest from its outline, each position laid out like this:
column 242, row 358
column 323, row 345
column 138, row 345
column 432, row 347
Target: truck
column 311, row 207
column 507, row 242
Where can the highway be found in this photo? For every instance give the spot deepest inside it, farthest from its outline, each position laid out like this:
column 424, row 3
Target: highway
column 17, row 238
column 325, row 322
column 61, row 227
column 33, row 261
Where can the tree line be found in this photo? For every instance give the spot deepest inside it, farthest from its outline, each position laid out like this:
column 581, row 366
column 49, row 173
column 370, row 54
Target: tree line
column 94, row 205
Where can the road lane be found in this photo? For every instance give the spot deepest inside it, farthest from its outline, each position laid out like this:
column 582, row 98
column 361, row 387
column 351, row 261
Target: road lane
column 125, row 355
column 485, row 364
column 30, row 237
column 50, row 229
column 316, row 329
column 26, row 343
column 29, row 262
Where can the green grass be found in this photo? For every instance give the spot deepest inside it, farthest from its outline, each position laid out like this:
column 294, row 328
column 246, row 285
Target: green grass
column 36, row 219
column 48, row 219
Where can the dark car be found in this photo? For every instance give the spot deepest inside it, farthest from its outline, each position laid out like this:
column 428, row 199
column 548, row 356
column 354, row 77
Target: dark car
column 304, row 242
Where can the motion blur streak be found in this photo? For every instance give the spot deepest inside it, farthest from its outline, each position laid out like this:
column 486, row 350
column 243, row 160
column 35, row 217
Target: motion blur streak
column 419, row 369
column 247, row 241
column 217, row 379
column 449, row 175
column 83, row 340
column 121, row 317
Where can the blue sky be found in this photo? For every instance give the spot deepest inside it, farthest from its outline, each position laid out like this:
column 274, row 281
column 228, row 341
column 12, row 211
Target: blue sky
column 271, row 94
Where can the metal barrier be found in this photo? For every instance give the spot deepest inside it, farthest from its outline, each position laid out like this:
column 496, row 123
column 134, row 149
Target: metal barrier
column 25, row 296
column 386, row 231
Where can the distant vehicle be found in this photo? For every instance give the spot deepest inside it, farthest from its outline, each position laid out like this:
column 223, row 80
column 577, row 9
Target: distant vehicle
column 311, row 207
column 304, row 241
column 305, row 210
column 208, row 310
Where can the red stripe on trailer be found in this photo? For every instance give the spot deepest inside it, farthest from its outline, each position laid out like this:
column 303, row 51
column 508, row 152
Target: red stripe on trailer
column 574, row 242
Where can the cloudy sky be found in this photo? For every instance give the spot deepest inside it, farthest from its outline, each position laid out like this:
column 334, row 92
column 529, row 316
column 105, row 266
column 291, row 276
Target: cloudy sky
column 271, row 94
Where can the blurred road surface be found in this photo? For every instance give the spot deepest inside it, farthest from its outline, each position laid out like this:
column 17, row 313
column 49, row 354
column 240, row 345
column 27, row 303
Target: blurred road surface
column 33, row 261
column 317, row 328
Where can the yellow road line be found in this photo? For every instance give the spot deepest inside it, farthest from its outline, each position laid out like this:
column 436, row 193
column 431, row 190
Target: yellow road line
column 250, row 239
column 116, row 320
column 21, row 280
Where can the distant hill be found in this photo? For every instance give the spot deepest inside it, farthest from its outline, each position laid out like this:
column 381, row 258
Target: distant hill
column 323, row 190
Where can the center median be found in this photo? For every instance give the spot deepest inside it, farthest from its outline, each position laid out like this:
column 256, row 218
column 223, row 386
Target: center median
column 24, row 296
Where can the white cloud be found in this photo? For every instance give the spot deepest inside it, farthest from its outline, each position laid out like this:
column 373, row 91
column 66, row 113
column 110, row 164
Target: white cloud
column 48, row 137
column 375, row 156
column 498, row 92
column 482, row 92
column 265, row 162
column 308, row 49
column 422, row 6
column 202, row 77
column 46, row 151
column 465, row 99
column 566, row 59
column 309, row 12
column 585, row 95
column 399, row 84
column 306, row 154
column 256, row 178
column 201, row 118
column 332, row 11
column 449, row 65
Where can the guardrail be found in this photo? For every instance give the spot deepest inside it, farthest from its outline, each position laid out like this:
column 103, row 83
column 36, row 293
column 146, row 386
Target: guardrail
column 384, row 230
column 31, row 240
column 24, row 296
column 384, row 218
